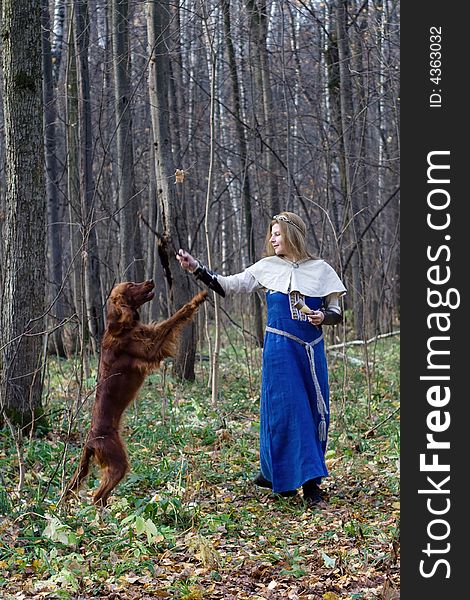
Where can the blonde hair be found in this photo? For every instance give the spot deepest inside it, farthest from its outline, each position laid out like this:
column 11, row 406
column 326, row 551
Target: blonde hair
column 294, row 233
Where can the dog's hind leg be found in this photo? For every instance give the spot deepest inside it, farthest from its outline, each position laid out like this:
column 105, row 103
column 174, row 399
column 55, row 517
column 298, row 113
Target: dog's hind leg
column 114, row 464
column 81, row 472
column 110, row 477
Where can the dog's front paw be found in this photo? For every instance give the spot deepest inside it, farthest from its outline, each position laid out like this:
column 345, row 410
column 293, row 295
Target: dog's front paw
column 199, row 298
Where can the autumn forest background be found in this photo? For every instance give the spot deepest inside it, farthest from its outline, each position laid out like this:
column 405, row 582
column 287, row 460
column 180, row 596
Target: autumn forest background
column 132, row 128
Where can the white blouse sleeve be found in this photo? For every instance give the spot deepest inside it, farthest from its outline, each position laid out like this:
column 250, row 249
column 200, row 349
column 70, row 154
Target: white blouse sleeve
column 332, row 302
column 241, row 283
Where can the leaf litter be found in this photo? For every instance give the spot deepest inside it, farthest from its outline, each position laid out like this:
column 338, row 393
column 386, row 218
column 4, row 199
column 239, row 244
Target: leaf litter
column 187, row 523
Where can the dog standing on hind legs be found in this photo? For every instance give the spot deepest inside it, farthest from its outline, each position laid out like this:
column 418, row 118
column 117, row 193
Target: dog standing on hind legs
column 130, row 350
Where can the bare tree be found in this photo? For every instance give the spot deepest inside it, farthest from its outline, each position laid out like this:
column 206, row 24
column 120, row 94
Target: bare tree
column 94, row 302
column 129, row 233
column 57, row 37
column 263, row 100
column 23, row 290
column 173, row 226
column 244, row 160
column 54, row 230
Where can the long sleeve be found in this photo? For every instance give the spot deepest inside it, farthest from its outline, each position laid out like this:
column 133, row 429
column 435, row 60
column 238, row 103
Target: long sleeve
column 241, row 283
column 332, row 310
column 331, row 302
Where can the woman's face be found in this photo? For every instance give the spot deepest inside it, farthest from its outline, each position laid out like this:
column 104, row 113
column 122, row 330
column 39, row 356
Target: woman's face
column 277, row 240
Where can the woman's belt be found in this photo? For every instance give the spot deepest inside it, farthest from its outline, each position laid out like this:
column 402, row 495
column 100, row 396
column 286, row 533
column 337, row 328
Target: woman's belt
column 309, row 348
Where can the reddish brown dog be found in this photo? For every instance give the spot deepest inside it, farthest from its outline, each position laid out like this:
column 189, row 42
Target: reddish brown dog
column 130, row 351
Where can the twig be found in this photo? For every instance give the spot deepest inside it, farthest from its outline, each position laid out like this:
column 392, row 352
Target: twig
column 362, row 342
column 352, row 359
column 370, row 431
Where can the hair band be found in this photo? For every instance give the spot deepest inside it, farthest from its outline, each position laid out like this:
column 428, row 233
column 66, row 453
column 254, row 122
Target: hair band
column 287, row 220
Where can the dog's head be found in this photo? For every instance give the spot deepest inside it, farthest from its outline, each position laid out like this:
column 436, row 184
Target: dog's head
column 123, row 304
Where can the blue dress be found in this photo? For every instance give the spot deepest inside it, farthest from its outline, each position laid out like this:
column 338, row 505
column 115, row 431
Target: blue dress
column 294, row 412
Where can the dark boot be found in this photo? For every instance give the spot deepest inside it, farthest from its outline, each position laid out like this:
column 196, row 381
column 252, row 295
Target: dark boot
column 261, row 481
column 312, row 493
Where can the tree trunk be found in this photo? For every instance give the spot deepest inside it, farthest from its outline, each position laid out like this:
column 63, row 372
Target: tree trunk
column 172, row 223
column 73, row 336
column 57, row 37
column 55, row 249
column 94, row 302
column 131, row 267
column 242, row 146
column 22, row 290
column 264, row 109
column 350, row 154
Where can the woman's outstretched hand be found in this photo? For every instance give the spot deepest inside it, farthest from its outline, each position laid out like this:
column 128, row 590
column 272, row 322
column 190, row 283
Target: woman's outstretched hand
column 188, row 262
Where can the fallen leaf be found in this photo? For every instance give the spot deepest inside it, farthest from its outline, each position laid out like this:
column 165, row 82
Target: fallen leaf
column 272, row 585
column 328, row 562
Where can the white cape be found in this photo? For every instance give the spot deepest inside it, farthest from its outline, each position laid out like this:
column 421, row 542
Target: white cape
column 312, row 277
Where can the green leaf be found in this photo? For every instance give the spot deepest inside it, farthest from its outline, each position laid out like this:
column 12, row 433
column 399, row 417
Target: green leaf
column 139, row 525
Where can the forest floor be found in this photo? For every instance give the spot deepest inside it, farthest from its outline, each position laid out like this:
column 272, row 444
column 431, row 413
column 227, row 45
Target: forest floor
column 187, row 523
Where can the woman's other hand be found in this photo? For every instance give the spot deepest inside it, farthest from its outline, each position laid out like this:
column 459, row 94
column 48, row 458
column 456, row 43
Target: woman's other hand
column 188, row 262
column 316, row 317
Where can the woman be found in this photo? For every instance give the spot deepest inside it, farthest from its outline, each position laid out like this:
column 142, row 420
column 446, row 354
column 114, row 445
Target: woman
column 294, row 410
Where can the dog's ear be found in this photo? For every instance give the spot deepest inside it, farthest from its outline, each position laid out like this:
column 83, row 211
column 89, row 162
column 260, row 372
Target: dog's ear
column 119, row 316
